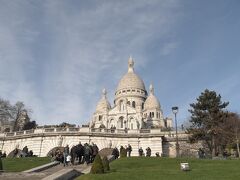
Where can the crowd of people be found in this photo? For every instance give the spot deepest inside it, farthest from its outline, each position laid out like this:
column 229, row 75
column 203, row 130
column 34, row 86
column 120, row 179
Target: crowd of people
column 128, row 149
column 77, row 154
column 22, row 153
column 86, row 153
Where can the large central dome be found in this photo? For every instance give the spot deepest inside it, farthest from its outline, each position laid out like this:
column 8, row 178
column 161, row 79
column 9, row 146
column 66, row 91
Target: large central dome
column 131, row 79
column 130, row 86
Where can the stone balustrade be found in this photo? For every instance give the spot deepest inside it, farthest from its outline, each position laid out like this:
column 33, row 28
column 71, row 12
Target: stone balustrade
column 58, row 130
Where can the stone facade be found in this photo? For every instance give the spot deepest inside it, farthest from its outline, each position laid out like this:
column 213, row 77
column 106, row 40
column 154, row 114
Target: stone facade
column 133, row 108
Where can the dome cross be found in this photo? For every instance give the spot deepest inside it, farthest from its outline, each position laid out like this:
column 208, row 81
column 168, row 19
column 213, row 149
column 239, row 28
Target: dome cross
column 130, row 64
column 151, row 89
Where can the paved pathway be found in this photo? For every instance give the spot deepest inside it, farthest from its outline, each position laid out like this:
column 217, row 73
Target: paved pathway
column 40, row 175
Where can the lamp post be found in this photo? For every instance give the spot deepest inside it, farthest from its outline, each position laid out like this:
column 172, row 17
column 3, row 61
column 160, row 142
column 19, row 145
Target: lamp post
column 175, row 111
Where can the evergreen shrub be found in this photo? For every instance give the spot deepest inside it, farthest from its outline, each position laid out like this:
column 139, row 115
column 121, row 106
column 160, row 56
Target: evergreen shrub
column 105, row 162
column 97, row 167
column 123, row 153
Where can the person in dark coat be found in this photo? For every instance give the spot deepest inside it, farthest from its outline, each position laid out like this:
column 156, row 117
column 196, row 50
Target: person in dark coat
column 140, row 151
column 148, row 152
column 25, row 151
column 115, row 153
column 80, row 152
column 129, row 150
column 30, row 154
column 87, row 152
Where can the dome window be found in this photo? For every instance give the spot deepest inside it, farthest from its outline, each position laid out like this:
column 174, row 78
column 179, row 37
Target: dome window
column 133, row 104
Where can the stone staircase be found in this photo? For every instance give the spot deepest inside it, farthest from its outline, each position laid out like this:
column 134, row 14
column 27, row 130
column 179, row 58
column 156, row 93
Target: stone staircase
column 53, row 172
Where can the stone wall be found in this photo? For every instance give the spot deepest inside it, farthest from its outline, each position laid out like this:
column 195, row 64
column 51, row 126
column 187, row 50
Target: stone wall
column 41, row 141
column 185, row 149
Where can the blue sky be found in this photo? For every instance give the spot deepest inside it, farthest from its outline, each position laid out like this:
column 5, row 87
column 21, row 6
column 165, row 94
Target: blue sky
column 56, row 56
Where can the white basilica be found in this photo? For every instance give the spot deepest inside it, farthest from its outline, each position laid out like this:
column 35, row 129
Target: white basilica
column 134, row 107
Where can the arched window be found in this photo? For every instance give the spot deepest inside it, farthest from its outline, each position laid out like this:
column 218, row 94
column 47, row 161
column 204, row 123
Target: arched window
column 121, row 122
column 133, row 104
column 129, row 103
column 112, row 123
column 142, row 105
column 152, row 114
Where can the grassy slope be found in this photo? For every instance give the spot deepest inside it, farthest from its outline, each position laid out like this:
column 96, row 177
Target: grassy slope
column 169, row 169
column 21, row 164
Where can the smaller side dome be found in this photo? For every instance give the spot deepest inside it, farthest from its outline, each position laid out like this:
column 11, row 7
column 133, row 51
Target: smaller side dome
column 103, row 104
column 151, row 101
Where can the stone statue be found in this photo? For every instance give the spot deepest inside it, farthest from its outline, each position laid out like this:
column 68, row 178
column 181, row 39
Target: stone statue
column 60, row 141
column 110, row 144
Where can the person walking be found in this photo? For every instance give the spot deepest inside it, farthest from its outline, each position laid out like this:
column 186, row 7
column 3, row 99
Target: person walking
column 87, row 152
column 65, row 154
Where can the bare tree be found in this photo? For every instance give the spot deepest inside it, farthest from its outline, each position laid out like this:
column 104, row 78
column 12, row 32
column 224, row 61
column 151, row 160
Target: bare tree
column 13, row 112
column 5, row 110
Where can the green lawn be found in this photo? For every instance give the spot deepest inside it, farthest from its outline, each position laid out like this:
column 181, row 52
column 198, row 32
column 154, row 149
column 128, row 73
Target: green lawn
column 21, row 164
column 169, row 169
